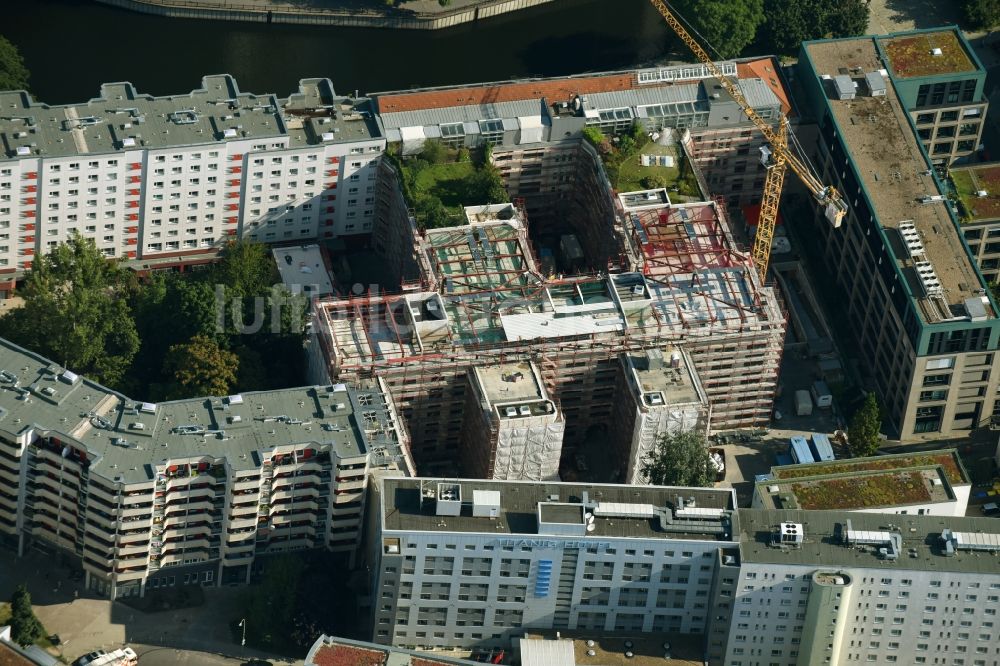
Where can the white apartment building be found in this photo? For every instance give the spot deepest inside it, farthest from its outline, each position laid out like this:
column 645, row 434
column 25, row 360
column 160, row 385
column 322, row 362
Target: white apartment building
column 824, row 588
column 161, row 180
column 150, row 495
column 470, row 563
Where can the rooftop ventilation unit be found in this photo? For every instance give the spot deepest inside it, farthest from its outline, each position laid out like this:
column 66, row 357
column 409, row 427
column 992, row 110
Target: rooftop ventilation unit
column 486, row 503
column 890, row 543
column 449, row 499
column 973, row 541
column 654, row 399
column 524, row 410
column 791, row 533
column 928, row 278
column 936, row 51
column 914, row 246
column 510, row 411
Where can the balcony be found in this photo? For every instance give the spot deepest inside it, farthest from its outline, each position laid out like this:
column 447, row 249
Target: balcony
column 137, row 512
column 345, row 522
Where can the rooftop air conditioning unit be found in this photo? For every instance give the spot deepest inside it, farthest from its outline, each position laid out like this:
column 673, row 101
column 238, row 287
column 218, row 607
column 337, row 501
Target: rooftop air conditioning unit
column 511, row 411
column 525, row 410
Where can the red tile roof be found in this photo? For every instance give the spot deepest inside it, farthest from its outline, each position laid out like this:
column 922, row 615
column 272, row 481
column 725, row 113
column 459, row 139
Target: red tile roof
column 344, row 655
column 11, row 657
column 766, row 69
column 419, row 661
column 555, row 90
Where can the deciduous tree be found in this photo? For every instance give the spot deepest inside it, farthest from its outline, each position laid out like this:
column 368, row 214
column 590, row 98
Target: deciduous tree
column 76, row 313
column 200, row 367
column 13, row 73
column 728, row 26
column 982, row 14
column 864, row 428
column 680, row 459
column 791, row 22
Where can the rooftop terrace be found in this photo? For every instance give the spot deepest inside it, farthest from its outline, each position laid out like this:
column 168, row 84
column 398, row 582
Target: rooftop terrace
column 404, row 511
column 120, row 438
column 969, row 183
column 926, row 54
column 898, row 180
column 919, row 537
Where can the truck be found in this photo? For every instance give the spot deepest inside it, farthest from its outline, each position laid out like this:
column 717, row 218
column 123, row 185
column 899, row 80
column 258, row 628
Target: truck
column 798, row 449
column 821, row 394
column 803, row 403
column 821, row 448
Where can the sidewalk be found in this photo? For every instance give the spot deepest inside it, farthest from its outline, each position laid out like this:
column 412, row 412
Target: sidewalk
column 85, row 622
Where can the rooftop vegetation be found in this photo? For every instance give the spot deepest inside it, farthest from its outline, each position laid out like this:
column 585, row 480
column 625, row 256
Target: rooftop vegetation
column 622, row 158
column 862, row 491
column 968, row 182
column 875, row 463
column 913, row 56
column 439, row 181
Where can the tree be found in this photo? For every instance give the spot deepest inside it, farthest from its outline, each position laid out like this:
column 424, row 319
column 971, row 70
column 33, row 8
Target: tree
column 433, row 151
column 725, row 26
column 791, row 22
column 486, row 186
column 680, row 459
column 76, row 313
column 13, row 73
column 200, row 367
column 24, row 626
column 246, row 269
column 864, row 428
column 271, row 608
column 431, row 213
column 983, row 14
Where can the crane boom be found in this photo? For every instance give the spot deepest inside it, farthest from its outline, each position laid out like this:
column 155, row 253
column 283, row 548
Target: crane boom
column 827, row 195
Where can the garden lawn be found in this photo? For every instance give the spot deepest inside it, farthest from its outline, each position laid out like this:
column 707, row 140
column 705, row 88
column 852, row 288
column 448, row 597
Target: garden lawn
column 447, row 181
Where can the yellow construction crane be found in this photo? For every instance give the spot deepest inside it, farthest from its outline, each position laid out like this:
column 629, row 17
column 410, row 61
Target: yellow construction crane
column 775, row 159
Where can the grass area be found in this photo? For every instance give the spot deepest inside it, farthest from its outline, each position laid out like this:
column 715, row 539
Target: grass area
column 912, row 56
column 875, row 463
column 633, row 176
column 863, row 491
column 968, row 182
column 447, row 181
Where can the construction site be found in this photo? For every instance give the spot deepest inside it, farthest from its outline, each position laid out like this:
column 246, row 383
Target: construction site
column 482, row 307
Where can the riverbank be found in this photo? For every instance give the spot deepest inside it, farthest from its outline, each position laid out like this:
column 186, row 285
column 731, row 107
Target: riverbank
column 411, row 15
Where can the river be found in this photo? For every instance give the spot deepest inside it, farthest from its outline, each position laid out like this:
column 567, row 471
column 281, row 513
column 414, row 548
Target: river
column 72, row 46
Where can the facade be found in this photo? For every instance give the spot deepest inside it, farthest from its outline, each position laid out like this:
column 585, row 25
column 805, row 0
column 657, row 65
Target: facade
column 920, row 311
column 863, row 589
column 462, row 563
column 933, row 483
column 152, row 495
column 166, row 180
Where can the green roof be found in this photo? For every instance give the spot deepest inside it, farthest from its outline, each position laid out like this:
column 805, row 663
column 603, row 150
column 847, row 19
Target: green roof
column 968, row 182
column 946, row 458
column 917, row 55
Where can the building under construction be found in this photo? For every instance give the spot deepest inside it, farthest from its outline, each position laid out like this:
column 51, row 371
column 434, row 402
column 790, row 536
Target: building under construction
column 482, row 302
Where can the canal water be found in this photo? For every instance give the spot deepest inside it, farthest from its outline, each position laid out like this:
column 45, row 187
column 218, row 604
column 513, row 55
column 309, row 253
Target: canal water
column 72, row 46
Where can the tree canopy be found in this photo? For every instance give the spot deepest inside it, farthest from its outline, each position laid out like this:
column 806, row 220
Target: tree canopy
column 790, row 22
column 13, row 73
column 725, row 26
column 25, row 628
column 76, row 312
column 679, row 459
column 982, row 14
column 201, row 367
column 864, row 428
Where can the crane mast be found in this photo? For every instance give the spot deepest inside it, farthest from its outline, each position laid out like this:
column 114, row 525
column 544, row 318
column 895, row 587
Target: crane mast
column 781, row 157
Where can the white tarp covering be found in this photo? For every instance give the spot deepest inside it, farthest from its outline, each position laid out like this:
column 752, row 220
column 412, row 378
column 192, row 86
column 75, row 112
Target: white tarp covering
column 532, row 129
column 413, row 139
column 529, row 452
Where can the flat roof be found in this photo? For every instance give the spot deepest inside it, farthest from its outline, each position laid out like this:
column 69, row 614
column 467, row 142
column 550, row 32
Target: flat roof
column 303, row 269
column 823, row 545
column 926, row 54
column 609, row 647
column 890, row 162
column 402, row 510
column 969, row 181
column 123, row 120
column 122, row 438
column 854, row 491
column 655, row 373
column 947, row 459
column 509, row 382
column 334, row 651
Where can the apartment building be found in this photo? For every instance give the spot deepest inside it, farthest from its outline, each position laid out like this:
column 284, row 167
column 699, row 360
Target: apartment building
column 150, row 495
column 918, row 308
column 826, row 588
column 481, row 295
column 165, row 180
column 940, row 82
column 462, row 563
column 658, row 394
column 934, row 484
